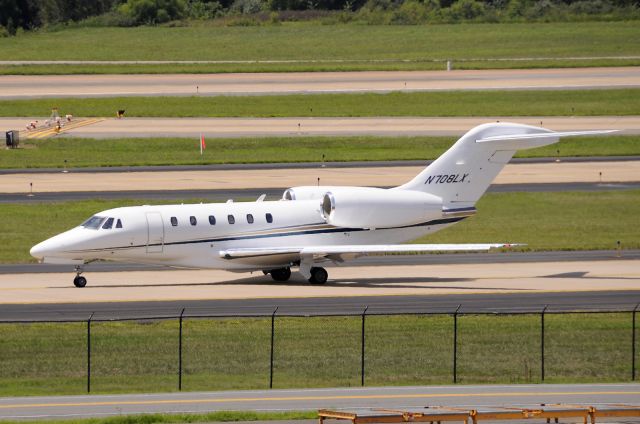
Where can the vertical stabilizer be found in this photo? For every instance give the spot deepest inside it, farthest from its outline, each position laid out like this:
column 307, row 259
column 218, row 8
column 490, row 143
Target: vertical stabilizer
column 464, row 172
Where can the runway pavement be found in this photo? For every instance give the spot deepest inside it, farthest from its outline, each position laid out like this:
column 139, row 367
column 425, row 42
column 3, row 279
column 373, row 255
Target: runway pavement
column 624, row 300
column 614, row 173
column 222, row 195
column 428, row 278
column 312, row 399
column 305, row 127
column 37, row 86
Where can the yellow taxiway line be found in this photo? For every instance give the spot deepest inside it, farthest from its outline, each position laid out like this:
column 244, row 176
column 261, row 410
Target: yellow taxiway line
column 51, row 131
column 294, row 398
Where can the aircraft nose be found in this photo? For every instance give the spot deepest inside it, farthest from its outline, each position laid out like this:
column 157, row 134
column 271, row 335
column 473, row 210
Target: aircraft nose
column 46, row 248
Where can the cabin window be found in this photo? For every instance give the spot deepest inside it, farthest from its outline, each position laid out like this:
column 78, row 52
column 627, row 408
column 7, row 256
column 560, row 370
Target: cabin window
column 250, row 218
column 108, row 224
column 269, row 218
column 119, row 224
column 94, row 222
column 174, row 221
column 212, row 220
column 193, row 220
column 231, row 219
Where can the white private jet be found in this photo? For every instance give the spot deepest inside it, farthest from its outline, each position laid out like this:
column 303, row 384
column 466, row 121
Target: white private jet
column 310, row 224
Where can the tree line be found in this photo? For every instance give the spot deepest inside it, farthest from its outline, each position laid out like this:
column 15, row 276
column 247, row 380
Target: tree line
column 20, row 15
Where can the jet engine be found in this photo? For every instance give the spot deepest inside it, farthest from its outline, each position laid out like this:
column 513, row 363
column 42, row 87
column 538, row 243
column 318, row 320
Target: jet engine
column 360, row 207
column 309, row 192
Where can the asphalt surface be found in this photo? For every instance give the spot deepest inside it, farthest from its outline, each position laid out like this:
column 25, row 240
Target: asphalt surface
column 309, row 126
column 272, row 193
column 478, row 302
column 469, row 303
column 39, row 86
column 479, row 397
column 298, row 165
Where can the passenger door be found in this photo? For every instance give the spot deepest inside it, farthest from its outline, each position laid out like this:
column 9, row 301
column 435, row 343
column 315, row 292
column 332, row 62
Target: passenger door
column 155, row 232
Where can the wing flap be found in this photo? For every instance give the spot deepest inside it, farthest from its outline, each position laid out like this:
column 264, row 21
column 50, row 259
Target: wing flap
column 282, row 256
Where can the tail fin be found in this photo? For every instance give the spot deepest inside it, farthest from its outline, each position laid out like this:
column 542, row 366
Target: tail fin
column 464, row 172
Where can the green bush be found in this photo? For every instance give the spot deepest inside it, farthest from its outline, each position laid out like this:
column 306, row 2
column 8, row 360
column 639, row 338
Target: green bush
column 247, row 7
column 467, row 10
column 197, row 9
column 153, row 11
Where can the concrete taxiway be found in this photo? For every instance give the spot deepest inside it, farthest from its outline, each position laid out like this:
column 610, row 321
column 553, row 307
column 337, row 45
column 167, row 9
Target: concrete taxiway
column 432, row 279
column 526, row 173
column 313, row 399
column 26, row 86
column 304, row 127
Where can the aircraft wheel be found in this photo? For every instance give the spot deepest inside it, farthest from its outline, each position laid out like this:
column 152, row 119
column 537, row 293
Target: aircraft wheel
column 281, row 274
column 318, row 275
column 79, row 281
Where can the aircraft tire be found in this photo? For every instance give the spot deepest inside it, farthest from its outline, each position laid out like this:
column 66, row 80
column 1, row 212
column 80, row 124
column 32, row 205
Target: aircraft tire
column 318, row 275
column 79, row 281
column 280, row 274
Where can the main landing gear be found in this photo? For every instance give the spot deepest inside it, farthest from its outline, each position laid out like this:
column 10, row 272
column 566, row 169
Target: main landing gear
column 318, row 275
column 280, row 274
column 79, row 281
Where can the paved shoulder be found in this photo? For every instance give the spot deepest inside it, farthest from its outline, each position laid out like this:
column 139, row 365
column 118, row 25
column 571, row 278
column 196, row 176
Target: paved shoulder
column 313, row 399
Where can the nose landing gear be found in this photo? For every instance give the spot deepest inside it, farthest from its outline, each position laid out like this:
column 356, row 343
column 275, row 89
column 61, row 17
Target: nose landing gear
column 79, row 281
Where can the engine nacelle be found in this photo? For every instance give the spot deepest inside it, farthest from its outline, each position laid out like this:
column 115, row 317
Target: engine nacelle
column 362, row 207
column 310, row 192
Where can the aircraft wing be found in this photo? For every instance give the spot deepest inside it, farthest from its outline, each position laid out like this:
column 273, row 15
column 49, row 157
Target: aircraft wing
column 281, row 256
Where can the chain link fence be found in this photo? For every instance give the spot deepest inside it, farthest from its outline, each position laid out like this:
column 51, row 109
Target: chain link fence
column 207, row 352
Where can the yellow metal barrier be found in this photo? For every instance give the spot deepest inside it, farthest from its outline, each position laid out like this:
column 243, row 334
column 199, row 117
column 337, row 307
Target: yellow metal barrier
column 439, row 414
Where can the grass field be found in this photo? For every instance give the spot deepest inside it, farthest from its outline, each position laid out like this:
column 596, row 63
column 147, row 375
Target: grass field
column 447, row 103
column 545, row 221
column 223, row 354
column 52, row 153
column 551, row 221
column 298, row 42
column 211, row 417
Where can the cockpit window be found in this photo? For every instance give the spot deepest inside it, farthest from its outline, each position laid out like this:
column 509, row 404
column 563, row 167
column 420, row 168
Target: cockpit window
column 94, row 222
column 119, row 224
column 108, row 224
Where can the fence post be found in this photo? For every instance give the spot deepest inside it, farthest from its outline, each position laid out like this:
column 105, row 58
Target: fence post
column 180, row 353
column 455, row 345
column 364, row 313
column 89, row 353
column 273, row 322
column 633, row 343
column 542, row 342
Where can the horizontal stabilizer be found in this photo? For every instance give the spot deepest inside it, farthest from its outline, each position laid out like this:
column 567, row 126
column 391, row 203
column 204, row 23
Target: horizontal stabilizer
column 529, row 140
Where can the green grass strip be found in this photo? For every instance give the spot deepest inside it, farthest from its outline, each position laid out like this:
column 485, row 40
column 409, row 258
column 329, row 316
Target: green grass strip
column 78, row 153
column 448, row 103
column 210, row 417
column 307, row 41
column 551, row 221
column 545, row 221
column 312, row 66
column 234, row 353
